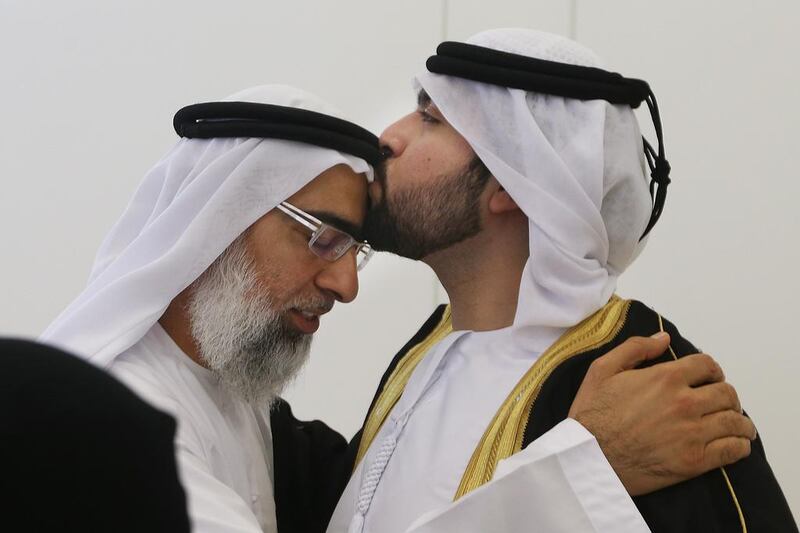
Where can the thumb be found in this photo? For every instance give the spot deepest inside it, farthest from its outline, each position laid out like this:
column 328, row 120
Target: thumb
column 635, row 351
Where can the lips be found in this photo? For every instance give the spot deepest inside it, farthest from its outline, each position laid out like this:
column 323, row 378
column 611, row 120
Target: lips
column 304, row 321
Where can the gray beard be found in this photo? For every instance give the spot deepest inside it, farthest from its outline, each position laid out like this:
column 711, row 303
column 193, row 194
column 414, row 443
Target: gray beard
column 240, row 334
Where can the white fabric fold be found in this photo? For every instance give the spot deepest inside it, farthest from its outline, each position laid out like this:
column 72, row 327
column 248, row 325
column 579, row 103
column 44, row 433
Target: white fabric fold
column 223, row 445
column 552, row 486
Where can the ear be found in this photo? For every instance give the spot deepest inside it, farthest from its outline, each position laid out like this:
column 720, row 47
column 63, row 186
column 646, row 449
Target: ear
column 501, row 202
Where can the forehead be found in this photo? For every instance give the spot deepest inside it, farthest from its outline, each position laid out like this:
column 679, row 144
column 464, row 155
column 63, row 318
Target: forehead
column 339, row 190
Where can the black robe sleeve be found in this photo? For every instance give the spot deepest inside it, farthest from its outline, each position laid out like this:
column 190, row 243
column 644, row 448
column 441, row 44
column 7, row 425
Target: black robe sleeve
column 703, row 504
column 312, row 464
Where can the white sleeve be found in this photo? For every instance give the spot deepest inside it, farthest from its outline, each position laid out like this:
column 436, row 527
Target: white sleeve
column 561, row 482
column 213, row 507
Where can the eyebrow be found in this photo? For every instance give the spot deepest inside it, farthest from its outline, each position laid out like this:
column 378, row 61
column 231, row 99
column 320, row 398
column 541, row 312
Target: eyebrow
column 425, row 104
column 423, row 99
column 339, row 223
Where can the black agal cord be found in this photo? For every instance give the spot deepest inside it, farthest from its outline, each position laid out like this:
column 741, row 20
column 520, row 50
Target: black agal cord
column 247, row 119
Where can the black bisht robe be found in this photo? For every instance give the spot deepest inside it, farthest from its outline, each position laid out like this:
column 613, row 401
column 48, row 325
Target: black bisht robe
column 313, row 463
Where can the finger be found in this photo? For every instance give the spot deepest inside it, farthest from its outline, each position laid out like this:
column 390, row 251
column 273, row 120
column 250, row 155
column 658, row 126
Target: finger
column 716, row 397
column 724, row 424
column 699, row 369
column 725, row 451
column 630, row 354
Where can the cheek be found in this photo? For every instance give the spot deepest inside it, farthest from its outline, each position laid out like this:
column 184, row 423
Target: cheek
column 418, row 166
column 285, row 275
column 442, row 156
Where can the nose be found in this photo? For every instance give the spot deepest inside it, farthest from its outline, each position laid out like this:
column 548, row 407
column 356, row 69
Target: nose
column 394, row 139
column 340, row 278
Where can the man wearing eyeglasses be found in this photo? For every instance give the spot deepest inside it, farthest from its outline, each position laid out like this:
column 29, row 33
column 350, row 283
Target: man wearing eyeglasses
column 204, row 297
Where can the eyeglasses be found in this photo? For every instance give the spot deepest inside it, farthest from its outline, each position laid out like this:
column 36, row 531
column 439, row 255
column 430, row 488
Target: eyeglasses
column 328, row 242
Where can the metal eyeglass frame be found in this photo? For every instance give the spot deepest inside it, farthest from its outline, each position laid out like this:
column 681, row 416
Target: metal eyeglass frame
column 363, row 249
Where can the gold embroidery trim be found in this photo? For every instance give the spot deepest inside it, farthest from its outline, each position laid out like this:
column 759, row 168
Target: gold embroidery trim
column 722, row 469
column 397, row 382
column 506, row 431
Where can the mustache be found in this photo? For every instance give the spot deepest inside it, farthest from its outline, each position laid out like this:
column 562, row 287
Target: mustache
column 316, row 304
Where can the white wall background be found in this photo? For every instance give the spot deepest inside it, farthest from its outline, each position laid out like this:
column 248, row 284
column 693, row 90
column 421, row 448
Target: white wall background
column 88, row 89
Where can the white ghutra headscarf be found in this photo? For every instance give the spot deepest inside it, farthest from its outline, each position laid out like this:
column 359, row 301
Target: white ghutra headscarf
column 195, row 202
column 577, row 170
